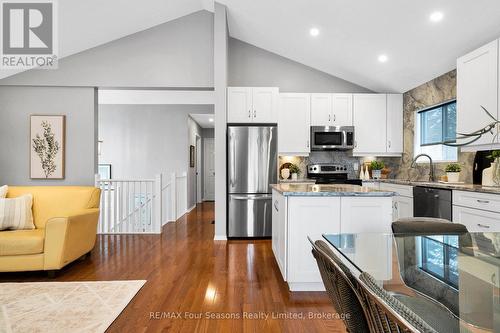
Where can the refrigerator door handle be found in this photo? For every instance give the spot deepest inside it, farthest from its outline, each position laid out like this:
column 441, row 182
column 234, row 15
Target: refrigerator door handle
column 251, row 197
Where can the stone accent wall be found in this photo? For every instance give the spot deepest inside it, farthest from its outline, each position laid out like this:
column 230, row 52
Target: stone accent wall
column 441, row 89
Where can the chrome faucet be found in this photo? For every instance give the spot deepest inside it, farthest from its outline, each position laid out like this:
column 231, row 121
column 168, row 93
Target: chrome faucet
column 431, row 165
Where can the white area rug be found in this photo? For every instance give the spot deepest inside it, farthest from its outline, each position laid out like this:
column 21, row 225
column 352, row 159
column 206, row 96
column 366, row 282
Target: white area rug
column 63, row 306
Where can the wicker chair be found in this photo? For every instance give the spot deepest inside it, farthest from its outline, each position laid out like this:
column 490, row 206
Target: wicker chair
column 340, row 287
column 392, row 318
column 366, row 312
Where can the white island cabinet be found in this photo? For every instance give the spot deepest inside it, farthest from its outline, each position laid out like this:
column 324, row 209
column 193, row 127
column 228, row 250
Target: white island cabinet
column 302, row 210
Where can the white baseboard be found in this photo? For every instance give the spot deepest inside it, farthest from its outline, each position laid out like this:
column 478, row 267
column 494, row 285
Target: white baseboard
column 220, row 238
column 191, row 208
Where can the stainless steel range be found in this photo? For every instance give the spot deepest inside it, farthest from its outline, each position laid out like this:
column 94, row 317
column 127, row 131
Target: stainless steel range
column 326, row 173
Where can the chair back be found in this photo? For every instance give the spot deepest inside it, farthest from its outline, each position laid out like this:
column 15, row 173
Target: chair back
column 427, row 226
column 387, row 314
column 340, row 287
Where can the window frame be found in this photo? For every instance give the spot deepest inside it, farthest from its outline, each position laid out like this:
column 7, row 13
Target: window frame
column 446, row 248
column 444, row 123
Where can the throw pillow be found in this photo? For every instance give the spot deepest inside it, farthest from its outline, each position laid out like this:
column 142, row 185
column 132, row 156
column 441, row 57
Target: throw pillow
column 16, row 214
column 3, row 191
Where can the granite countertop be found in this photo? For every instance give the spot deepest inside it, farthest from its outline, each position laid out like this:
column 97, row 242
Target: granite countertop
column 338, row 190
column 298, row 180
column 451, row 186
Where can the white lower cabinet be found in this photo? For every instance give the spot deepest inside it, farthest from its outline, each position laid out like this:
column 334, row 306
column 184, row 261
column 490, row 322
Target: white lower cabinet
column 296, row 217
column 366, row 214
column 279, row 233
column 402, row 204
column 308, row 216
column 402, row 207
column 477, row 220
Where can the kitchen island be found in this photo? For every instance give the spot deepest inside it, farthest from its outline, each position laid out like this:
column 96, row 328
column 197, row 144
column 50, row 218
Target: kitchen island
column 301, row 210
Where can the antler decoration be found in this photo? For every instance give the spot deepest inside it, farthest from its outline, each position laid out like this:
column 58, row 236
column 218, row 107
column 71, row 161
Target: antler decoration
column 476, row 135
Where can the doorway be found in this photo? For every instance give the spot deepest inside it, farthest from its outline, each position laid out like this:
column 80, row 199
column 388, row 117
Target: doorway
column 209, row 166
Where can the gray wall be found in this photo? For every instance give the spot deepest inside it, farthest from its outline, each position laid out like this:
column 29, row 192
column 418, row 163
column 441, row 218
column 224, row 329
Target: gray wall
column 140, row 141
column 178, row 53
column 208, row 132
column 250, row 66
column 18, row 103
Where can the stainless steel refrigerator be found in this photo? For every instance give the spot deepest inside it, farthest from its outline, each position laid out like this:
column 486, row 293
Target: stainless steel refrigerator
column 252, row 167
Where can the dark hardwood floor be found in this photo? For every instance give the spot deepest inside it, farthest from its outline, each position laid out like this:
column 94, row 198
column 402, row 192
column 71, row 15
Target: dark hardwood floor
column 189, row 274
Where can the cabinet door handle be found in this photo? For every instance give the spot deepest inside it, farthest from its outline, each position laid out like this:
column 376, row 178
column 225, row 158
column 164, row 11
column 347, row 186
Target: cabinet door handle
column 389, row 143
column 255, row 113
column 307, row 144
column 276, row 206
column 355, row 144
column 483, row 201
column 334, row 118
column 483, row 226
column 249, row 113
column 329, row 118
column 396, row 204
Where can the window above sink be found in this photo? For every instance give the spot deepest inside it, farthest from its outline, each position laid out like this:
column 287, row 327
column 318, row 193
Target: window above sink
column 435, row 126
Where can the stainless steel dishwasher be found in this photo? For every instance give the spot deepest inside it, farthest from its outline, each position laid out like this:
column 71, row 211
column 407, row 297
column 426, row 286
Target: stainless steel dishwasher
column 432, row 202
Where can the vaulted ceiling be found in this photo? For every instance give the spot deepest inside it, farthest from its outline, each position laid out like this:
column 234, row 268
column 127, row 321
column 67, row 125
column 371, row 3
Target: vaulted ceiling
column 352, row 35
column 84, row 24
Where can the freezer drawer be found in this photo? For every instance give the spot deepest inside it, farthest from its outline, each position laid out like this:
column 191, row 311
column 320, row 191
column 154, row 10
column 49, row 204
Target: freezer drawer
column 250, row 215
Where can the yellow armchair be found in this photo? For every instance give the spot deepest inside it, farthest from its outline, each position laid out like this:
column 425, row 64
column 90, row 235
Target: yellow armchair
column 65, row 218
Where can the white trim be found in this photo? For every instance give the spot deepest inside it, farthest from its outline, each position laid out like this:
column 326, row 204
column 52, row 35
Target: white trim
column 205, row 169
column 220, row 238
column 306, row 286
column 191, row 208
column 124, row 96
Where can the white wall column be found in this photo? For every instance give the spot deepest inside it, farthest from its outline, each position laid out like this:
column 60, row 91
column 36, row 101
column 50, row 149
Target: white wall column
column 220, row 84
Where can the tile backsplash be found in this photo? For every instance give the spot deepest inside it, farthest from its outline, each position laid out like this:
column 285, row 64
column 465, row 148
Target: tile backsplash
column 340, row 157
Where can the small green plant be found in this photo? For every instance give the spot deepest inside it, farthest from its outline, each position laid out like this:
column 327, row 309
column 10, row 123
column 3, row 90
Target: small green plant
column 453, row 167
column 294, row 169
column 494, row 155
column 377, row 165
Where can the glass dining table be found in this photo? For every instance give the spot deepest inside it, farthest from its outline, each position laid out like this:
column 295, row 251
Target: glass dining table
column 459, row 274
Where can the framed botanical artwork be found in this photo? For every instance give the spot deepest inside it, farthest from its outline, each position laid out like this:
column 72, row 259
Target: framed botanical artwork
column 191, row 156
column 104, row 171
column 47, row 146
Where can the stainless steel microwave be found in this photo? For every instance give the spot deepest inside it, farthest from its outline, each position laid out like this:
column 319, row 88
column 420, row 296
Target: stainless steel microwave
column 332, row 137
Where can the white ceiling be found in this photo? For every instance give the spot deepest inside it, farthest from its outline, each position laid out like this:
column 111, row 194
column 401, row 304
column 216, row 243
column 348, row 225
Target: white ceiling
column 203, row 119
column 84, row 24
column 354, row 33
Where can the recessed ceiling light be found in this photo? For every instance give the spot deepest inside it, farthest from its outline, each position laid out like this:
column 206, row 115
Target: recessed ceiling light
column 436, row 16
column 382, row 58
column 314, row 32
column 211, row 120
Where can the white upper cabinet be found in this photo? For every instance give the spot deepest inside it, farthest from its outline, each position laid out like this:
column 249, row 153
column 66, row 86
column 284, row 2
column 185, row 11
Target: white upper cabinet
column 369, row 118
column 331, row 109
column 239, row 105
column 395, row 123
column 342, row 109
column 321, row 110
column 294, row 120
column 252, row 105
column 477, row 85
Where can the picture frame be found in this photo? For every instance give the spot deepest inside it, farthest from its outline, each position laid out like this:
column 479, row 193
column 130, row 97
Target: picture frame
column 104, row 171
column 47, row 146
column 191, row 156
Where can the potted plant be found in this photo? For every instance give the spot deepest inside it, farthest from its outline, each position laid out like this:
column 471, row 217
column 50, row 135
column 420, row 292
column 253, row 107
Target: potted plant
column 377, row 167
column 453, row 172
column 295, row 171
